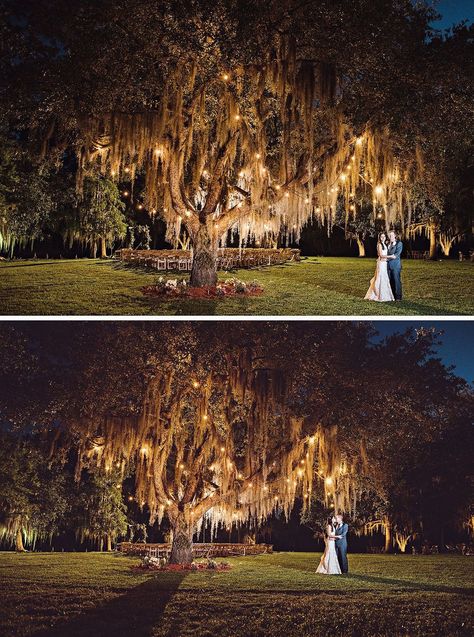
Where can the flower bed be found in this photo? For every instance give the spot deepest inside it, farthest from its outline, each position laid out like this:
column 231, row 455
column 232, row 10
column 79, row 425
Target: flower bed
column 176, row 288
column 161, row 564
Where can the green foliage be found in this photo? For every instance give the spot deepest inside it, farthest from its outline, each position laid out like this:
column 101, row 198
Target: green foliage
column 26, row 198
column 101, row 213
column 99, row 510
column 33, row 498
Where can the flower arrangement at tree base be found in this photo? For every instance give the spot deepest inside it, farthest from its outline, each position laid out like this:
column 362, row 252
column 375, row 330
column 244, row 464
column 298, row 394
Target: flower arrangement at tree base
column 161, row 564
column 176, row 288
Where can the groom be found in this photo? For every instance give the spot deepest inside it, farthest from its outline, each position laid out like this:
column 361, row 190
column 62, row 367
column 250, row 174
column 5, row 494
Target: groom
column 394, row 265
column 341, row 542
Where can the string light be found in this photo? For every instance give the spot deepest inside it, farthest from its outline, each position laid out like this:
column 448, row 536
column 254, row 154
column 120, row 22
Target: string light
column 328, row 481
column 225, row 77
column 125, row 193
column 127, row 169
column 222, row 449
column 195, row 384
column 378, row 190
column 237, row 117
column 257, row 155
column 241, row 173
column 287, row 194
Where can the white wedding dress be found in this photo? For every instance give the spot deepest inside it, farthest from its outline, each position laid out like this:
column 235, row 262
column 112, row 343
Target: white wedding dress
column 380, row 288
column 329, row 564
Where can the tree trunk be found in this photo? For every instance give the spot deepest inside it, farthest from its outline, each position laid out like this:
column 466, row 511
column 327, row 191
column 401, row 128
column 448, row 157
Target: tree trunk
column 94, row 249
column 19, row 541
column 204, row 270
column 388, row 537
column 433, row 246
column 103, row 248
column 361, row 246
column 182, row 543
column 109, row 542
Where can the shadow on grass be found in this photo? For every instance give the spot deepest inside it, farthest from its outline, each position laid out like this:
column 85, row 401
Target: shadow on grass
column 409, row 584
column 134, row 613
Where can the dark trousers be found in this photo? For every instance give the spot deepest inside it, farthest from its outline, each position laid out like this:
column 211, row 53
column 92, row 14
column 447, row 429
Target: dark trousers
column 341, row 550
column 395, row 276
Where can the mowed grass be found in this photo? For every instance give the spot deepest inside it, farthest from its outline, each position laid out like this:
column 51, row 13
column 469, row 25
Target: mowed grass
column 279, row 595
column 316, row 286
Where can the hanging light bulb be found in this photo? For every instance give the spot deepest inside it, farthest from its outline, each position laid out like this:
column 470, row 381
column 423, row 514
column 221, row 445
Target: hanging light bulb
column 241, row 173
column 379, row 190
column 328, row 481
column 125, row 193
column 195, row 384
column 187, row 213
column 225, row 77
column 127, row 169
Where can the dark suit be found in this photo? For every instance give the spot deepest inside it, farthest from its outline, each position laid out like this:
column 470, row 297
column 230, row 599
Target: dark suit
column 395, row 269
column 341, row 546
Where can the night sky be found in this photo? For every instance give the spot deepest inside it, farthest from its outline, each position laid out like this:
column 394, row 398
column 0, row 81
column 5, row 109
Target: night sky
column 453, row 12
column 457, row 341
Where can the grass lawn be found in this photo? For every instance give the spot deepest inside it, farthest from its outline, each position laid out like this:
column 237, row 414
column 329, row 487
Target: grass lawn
column 316, row 286
column 92, row 595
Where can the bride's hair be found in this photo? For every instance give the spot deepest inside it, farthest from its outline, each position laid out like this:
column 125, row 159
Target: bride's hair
column 379, row 238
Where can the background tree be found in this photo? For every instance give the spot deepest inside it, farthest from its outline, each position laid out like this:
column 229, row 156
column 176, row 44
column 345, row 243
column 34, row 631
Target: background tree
column 33, row 500
column 101, row 220
column 99, row 510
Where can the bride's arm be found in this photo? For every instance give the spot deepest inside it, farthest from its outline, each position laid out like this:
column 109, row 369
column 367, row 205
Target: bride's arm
column 380, row 254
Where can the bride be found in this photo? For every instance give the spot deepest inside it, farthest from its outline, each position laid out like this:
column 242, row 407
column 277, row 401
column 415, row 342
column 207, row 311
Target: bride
column 329, row 564
column 380, row 288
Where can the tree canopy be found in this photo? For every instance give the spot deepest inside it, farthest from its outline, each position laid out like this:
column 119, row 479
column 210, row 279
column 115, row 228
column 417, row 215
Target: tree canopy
column 245, row 115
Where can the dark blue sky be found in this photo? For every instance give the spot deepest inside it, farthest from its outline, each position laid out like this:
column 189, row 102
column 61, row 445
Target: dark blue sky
column 454, row 11
column 457, row 346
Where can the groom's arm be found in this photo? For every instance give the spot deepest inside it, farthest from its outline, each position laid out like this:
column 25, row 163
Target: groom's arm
column 343, row 533
column 398, row 250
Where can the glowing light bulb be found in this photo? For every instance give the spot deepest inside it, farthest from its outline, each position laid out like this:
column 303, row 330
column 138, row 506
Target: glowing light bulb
column 125, row 193
column 127, row 169
column 222, row 449
column 181, row 466
column 265, row 488
column 195, row 384
column 237, row 117
column 359, row 141
column 204, row 417
column 352, row 207
column 378, row 190
column 306, row 200
column 277, row 187
column 287, row 194
column 312, row 440
column 130, row 498
column 343, row 177
column 187, row 213
column 225, row 77
column 241, row 173
column 240, row 476
column 257, row 155
column 318, row 209
column 328, row 481
column 140, row 206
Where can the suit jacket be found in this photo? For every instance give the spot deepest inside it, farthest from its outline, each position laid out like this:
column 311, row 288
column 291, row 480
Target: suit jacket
column 396, row 250
column 342, row 531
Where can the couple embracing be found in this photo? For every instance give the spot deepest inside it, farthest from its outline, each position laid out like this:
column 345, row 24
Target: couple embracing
column 334, row 558
column 386, row 284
